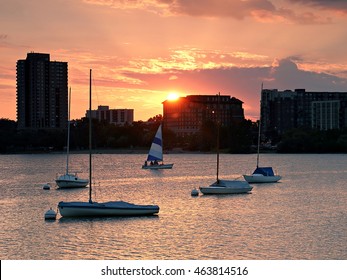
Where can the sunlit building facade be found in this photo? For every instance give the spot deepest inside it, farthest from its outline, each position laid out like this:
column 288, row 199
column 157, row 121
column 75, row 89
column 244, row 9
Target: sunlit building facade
column 284, row 110
column 42, row 92
column 186, row 115
column 113, row 116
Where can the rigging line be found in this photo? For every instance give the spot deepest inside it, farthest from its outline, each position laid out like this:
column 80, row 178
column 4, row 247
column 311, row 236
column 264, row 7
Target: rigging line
column 95, row 90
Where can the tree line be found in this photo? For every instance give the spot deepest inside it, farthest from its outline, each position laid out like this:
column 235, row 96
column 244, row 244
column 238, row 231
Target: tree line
column 300, row 140
column 240, row 137
column 138, row 135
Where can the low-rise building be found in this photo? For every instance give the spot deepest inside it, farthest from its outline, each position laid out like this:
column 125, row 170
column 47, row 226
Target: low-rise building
column 114, row 116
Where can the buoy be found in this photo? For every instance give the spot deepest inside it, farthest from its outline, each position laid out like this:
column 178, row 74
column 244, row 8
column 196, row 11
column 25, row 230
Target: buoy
column 50, row 214
column 195, row 192
column 47, row 186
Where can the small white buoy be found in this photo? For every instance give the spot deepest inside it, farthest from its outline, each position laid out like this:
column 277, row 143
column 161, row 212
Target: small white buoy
column 47, row 186
column 50, row 214
column 195, row 192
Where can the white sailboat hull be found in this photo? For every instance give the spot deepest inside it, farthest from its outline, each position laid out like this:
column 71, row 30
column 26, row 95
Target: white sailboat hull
column 227, row 187
column 158, row 166
column 258, row 178
column 71, row 181
column 106, row 209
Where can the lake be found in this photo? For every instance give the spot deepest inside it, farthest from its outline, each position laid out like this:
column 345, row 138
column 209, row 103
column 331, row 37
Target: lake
column 304, row 216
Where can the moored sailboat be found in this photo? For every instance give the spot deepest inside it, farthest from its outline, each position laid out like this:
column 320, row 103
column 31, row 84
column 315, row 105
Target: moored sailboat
column 102, row 209
column 69, row 180
column 261, row 174
column 225, row 186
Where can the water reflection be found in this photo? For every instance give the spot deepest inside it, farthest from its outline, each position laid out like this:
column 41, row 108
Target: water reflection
column 105, row 219
column 302, row 217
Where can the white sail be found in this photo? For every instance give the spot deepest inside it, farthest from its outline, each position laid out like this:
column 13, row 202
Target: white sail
column 155, row 155
column 156, row 150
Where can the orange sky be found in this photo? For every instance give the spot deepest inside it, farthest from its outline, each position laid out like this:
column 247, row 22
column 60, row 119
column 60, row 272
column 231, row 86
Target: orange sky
column 140, row 50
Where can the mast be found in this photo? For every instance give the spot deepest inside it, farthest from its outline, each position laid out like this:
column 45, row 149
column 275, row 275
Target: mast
column 90, row 136
column 218, row 124
column 259, row 124
column 68, row 134
column 161, row 144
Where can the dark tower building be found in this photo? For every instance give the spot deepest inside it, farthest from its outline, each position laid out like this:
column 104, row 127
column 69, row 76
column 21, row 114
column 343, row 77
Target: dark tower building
column 42, row 92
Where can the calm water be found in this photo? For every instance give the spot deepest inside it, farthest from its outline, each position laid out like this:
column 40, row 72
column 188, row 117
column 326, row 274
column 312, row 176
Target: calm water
column 303, row 217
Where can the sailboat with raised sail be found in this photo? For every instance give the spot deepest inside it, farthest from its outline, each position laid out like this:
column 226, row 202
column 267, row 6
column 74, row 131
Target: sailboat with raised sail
column 155, row 154
column 101, row 209
column 225, row 186
column 69, row 180
column 261, row 174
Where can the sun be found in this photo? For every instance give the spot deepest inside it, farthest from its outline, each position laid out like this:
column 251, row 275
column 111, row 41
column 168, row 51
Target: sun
column 172, row 96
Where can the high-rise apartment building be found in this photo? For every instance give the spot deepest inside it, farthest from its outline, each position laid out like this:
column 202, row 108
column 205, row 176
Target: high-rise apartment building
column 284, row 110
column 186, row 115
column 42, row 92
column 114, row 116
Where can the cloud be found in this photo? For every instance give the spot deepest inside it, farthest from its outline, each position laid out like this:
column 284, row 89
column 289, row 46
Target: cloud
column 173, row 77
column 288, row 75
column 221, row 8
column 195, row 58
column 260, row 10
column 201, row 70
column 238, row 9
column 283, row 74
column 242, row 82
column 337, row 5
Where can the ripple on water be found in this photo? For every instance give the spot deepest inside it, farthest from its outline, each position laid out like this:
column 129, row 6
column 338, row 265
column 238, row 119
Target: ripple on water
column 302, row 217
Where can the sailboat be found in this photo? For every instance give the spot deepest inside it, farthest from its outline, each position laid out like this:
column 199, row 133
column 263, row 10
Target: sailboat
column 225, row 186
column 69, row 180
column 155, row 154
column 261, row 174
column 101, row 209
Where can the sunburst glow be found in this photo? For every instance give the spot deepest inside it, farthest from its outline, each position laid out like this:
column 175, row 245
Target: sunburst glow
column 172, row 96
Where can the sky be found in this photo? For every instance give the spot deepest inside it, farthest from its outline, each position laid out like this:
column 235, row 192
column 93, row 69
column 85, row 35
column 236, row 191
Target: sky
column 140, row 51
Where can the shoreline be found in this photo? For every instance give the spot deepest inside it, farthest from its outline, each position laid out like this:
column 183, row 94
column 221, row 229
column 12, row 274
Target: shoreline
column 142, row 151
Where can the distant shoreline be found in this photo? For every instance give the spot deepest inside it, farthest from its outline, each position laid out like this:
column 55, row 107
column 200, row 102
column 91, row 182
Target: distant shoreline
column 130, row 151
column 139, row 151
column 110, row 151
column 144, row 152
column 106, row 151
